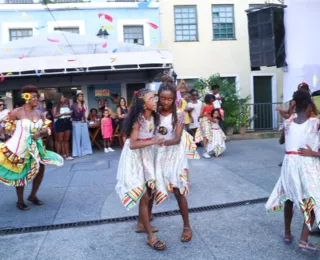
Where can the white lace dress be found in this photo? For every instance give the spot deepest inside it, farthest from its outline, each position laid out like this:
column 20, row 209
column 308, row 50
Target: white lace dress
column 171, row 163
column 299, row 181
column 136, row 168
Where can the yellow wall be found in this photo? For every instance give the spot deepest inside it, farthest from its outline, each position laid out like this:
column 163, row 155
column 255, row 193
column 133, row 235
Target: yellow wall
column 207, row 56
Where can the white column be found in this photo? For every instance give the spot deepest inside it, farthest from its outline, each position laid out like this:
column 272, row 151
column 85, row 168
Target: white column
column 124, row 91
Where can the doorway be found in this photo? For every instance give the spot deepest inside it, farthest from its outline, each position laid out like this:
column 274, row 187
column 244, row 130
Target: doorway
column 131, row 88
column 262, row 97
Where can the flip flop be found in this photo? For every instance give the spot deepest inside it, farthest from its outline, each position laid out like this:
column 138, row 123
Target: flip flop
column 287, row 239
column 36, row 201
column 156, row 244
column 186, row 235
column 22, row 206
column 307, row 247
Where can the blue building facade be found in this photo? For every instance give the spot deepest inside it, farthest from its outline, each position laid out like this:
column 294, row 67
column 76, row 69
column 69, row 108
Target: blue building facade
column 135, row 22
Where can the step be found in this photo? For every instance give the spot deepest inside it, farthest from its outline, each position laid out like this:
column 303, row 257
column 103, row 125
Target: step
column 255, row 135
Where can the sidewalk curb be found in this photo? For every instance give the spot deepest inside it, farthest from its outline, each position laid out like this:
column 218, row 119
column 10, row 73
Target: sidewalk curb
column 254, row 135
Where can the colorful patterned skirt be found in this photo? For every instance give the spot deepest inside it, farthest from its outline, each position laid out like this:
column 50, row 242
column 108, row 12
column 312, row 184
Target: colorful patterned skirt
column 204, row 130
column 299, row 182
column 172, row 171
column 16, row 171
column 217, row 145
column 136, row 171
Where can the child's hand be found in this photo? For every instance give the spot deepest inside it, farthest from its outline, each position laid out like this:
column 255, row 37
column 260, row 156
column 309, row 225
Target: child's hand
column 306, row 151
column 161, row 141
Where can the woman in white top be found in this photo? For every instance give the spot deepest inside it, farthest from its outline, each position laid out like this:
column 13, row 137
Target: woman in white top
column 194, row 106
column 63, row 126
column 299, row 182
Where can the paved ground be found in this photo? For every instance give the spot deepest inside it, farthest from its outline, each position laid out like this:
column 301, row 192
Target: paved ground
column 84, row 190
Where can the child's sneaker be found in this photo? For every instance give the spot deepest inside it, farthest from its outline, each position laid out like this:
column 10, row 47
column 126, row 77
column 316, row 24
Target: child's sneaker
column 110, row 149
column 106, row 150
column 205, row 155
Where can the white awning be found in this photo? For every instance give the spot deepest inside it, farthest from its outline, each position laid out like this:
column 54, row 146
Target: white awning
column 61, row 52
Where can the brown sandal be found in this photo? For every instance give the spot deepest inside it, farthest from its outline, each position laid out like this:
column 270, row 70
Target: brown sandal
column 156, row 244
column 22, row 206
column 141, row 229
column 186, row 235
column 36, row 201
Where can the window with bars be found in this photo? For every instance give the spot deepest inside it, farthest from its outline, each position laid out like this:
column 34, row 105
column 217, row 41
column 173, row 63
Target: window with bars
column 133, row 34
column 68, row 29
column 223, row 22
column 16, row 34
column 186, row 27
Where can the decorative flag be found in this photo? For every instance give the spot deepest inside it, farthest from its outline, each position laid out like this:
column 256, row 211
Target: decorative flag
column 24, row 15
column 21, row 57
column 108, row 27
column 115, row 50
column 40, row 27
column 53, row 40
column 159, row 46
column 315, row 80
column 107, row 17
column 1, row 77
column 37, row 73
column 104, row 45
column 113, row 60
column 154, row 26
column 7, row 49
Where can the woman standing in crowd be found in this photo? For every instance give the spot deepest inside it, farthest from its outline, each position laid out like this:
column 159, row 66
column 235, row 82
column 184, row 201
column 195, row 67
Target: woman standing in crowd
column 136, row 170
column 49, row 116
column 63, row 126
column 81, row 145
column 194, row 107
column 122, row 111
column 299, row 182
column 23, row 156
column 93, row 115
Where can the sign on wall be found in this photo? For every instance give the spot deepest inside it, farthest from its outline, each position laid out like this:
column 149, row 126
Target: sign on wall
column 102, row 92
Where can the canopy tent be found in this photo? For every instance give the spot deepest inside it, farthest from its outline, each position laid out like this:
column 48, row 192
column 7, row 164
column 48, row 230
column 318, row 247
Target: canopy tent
column 61, row 52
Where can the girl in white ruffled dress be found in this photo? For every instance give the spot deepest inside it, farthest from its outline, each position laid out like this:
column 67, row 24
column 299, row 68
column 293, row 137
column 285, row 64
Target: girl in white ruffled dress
column 299, row 182
column 217, row 144
column 136, row 170
column 171, row 159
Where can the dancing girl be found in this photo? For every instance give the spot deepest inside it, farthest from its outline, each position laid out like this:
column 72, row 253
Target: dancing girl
column 136, row 171
column 299, row 182
column 23, row 156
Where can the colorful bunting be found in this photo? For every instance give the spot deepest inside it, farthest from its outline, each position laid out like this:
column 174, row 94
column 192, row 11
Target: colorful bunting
column 53, row 40
column 72, row 60
column 154, row 26
column 115, row 50
column 107, row 17
column 1, row 77
column 104, row 45
column 159, row 46
column 108, row 27
column 7, row 49
column 21, row 57
column 24, row 15
column 37, row 73
column 40, row 27
column 113, row 60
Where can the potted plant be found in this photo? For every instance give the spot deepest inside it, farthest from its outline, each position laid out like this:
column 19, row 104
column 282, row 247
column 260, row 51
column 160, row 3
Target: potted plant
column 244, row 119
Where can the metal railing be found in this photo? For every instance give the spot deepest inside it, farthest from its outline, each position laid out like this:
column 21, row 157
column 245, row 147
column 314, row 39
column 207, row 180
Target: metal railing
column 265, row 116
column 66, row 1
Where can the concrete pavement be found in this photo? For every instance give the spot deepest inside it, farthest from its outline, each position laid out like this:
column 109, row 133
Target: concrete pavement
column 84, row 190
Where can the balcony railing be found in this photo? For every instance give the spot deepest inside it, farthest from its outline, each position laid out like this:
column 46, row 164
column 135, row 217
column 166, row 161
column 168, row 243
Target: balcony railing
column 265, row 116
column 67, row 1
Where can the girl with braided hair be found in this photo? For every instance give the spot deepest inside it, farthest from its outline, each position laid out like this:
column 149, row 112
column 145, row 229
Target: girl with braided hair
column 136, row 172
column 299, row 182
